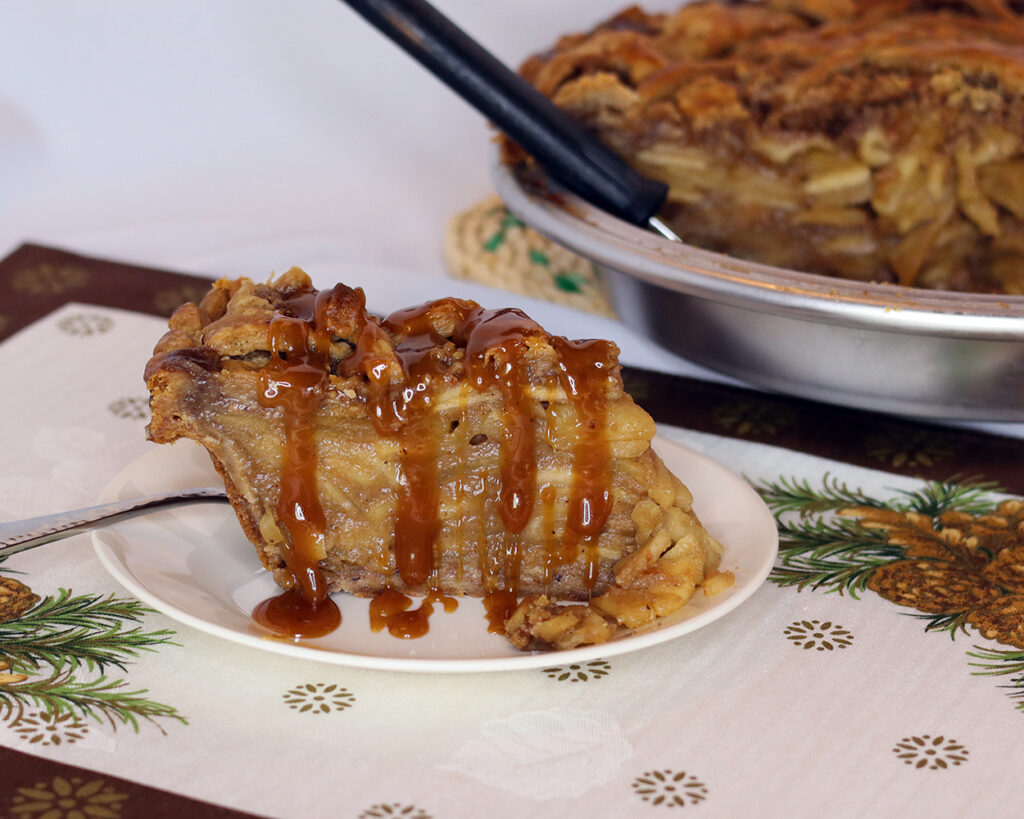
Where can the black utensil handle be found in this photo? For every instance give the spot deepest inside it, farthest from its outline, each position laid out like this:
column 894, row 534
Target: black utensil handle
column 566, row 151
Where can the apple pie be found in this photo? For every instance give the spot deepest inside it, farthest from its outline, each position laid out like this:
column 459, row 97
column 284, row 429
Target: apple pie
column 444, row 450
column 874, row 140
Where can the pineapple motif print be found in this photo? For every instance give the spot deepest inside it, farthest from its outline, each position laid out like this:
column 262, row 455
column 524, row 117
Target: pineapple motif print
column 15, row 599
column 951, row 552
column 961, row 566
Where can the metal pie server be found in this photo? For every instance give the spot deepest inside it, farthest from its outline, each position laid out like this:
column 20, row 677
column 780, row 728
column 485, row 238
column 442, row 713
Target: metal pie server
column 19, row 535
column 567, row 152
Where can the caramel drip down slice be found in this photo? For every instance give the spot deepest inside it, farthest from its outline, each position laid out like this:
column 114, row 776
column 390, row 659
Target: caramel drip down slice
column 583, row 370
column 495, row 342
column 405, row 361
column 295, row 380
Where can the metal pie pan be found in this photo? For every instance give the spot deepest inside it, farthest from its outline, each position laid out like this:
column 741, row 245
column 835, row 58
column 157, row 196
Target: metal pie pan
column 901, row 350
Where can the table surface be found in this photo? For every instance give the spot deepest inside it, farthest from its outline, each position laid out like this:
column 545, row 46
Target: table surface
column 147, row 148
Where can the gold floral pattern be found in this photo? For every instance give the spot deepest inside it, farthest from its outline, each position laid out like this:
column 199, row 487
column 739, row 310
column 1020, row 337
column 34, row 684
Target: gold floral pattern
column 903, row 449
column 670, row 788
column 579, row 672
column 68, row 799
column 926, row 751
column 961, row 566
column 85, row 324
column 319, row 698
column 49, row 278
column 752, row 418
column 394, row 810
column 50, row 728
column 813, row 634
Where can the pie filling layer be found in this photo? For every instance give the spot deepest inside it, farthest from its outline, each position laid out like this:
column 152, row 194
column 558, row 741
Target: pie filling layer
column 875, row 140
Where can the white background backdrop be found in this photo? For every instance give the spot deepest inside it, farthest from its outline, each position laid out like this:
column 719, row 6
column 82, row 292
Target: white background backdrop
column 238, row 136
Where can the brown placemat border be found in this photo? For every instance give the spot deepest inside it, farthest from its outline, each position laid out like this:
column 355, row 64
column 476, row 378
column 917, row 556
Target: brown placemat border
column 918, row 449
column 35, row 280
column 26, row 779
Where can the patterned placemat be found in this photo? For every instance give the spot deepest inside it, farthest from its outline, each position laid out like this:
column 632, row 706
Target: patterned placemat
column 947, row 553
column 36, row 788
column 35, row 280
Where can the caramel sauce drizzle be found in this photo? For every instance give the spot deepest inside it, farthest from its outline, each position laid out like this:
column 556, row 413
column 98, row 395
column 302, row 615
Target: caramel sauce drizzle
column 392, row 610
column 290, row 615
column 499, row 606
column 400, row 403
column 495, row 343
column 590, row 501
column 461, row 501
column 295, row 380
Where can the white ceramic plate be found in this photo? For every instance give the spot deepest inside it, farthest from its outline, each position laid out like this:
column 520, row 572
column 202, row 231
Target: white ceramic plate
column 194, row 564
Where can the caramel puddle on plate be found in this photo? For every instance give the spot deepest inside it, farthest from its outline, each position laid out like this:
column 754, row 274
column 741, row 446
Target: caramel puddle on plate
column 392, row 610
column 291, row 617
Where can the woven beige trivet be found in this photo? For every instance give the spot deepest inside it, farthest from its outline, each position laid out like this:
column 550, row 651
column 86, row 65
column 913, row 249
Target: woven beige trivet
column 488, row 244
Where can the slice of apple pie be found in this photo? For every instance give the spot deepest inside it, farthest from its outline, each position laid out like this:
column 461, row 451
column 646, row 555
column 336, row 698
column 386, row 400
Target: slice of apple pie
column 865, row 139
column 444, row 450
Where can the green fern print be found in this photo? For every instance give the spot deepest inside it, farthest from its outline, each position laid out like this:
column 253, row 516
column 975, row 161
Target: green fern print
column 952, row 551
column 57, row 655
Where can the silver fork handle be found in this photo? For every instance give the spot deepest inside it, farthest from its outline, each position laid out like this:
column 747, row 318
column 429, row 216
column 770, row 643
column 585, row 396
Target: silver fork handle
column 19, row 535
